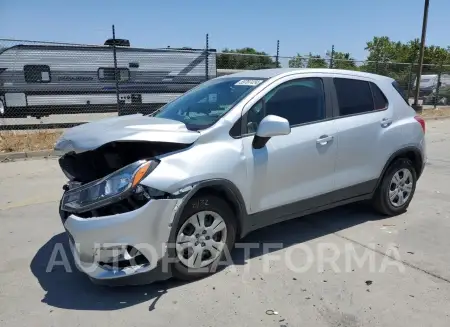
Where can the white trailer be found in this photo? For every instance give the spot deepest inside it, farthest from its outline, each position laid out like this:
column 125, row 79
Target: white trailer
column 38, row 80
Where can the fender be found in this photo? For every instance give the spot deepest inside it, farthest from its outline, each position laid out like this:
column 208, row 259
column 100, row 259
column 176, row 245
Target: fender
column 419, row 161
column 231, row 190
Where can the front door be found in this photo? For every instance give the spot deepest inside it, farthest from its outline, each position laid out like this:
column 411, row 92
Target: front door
column 298, row 166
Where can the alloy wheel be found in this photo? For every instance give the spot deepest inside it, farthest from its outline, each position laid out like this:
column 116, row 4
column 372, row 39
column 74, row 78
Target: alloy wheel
column 201, row 239
column 400, row 188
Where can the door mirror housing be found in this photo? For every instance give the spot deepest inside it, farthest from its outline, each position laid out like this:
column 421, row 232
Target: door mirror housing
column 270, row 126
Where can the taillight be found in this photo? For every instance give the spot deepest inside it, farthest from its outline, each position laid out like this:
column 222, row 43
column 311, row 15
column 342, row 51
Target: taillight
column 421, row 121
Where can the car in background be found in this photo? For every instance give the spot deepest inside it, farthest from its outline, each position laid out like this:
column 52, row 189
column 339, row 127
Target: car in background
column 167, row 194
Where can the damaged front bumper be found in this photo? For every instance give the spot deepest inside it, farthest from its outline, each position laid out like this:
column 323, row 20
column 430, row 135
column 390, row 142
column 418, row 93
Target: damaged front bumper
column 125, row 248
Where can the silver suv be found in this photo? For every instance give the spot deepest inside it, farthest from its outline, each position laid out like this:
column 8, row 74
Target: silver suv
column 233, row 155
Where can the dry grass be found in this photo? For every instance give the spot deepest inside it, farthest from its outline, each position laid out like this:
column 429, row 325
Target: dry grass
column 21, row 141
column 438, row 112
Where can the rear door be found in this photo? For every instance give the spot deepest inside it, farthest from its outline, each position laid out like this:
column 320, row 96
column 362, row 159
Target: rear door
column 363, row 116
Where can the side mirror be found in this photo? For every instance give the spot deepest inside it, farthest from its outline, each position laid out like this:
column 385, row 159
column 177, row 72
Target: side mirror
column 269, row 127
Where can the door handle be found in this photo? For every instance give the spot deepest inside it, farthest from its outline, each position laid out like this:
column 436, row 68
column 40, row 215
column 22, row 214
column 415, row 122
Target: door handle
column 385, row 122
column 324, row 139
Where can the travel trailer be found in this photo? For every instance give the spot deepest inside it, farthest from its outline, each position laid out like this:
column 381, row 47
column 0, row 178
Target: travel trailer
column 429, row 89
column 39, row 80
column 429, row 82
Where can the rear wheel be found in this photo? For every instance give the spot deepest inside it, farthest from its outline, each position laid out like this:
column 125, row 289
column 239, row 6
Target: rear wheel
column 397, row 188
column 205, row 231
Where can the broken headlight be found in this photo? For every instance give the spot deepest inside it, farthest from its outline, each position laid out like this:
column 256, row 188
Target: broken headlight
column 109, row 189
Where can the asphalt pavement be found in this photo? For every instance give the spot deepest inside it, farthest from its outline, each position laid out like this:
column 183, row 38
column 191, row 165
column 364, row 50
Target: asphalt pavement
column 342, row 267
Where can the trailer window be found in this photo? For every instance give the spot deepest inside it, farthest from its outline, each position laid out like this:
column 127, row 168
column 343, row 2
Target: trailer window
column 107, row 74
column 37, row 73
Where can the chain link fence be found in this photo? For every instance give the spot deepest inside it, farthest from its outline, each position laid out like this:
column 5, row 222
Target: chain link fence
column 75, row 81
column 49, row 85
column 434, row 84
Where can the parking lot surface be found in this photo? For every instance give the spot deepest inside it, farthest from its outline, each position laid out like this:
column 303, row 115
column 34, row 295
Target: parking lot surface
column 342, row 267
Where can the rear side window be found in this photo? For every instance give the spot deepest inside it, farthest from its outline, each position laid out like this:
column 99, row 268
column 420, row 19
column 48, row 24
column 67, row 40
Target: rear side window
column 354, row 96
column 36, row 73
column 379, row 98
column 400, row 91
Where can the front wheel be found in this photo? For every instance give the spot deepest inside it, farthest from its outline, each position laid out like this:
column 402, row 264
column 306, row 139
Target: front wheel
column 205, row 232
column 396, row 189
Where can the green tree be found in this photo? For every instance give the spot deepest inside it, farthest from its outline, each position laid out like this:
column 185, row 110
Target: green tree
column 245, row 58
column 396, row 59
column 316, row 61
column 390, row 58
column 310, row 61
column 298, row 61
column 343, row 60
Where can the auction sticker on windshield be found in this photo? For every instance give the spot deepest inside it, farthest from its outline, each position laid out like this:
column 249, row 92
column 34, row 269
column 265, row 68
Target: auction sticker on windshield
column 249, row 82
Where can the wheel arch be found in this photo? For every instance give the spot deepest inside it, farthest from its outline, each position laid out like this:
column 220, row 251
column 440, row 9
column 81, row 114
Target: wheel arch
column 222, row 188
column 412, row 153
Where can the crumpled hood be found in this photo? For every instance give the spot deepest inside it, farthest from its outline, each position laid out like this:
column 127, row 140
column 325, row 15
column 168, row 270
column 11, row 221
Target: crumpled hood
column 137, row 127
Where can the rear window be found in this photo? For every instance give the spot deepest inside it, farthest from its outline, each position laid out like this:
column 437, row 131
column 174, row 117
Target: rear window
column 400, row 91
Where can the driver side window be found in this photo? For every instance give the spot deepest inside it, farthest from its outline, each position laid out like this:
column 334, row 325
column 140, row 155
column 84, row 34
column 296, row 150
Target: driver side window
column 300, row 101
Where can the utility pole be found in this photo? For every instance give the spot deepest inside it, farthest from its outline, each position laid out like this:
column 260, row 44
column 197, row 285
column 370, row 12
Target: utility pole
column 422, row 49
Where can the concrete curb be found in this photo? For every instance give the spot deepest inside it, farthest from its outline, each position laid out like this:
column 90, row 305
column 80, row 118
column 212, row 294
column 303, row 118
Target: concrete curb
column 11, row 156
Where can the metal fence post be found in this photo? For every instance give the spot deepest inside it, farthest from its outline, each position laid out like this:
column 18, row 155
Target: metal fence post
column 206, row 58
column 332, row 57
column 411, row 67
column 116, row 75
column 438, row 86
column 278, row 54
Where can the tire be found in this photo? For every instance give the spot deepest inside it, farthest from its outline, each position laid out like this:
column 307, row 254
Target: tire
column 197, row 206
column 381, row 200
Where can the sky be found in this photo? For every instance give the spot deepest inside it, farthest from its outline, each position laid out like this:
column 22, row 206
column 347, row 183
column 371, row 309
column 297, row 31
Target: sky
column 300, row 26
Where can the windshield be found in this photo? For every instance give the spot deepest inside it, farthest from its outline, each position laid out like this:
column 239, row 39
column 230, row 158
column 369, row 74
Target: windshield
column 204, row 105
